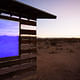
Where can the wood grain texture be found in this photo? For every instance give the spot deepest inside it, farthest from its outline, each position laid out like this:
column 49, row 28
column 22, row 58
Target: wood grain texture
column 17, row 62
column 22, row 21
column 31, row 32
column 28, row 71
column 29, row 51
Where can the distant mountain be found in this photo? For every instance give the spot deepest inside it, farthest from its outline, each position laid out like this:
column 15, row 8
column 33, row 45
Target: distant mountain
column 8, row 38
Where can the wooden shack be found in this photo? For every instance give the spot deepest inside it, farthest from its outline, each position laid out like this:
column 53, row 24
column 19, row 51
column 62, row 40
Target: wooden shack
column 23, row 66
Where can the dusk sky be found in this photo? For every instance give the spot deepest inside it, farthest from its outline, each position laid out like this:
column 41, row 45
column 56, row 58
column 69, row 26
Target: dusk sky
column 67, row 23
column 9, row 40
column 9, row 28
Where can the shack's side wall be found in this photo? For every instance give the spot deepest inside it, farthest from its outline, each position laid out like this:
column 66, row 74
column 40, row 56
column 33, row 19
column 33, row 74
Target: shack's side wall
column 24, row 67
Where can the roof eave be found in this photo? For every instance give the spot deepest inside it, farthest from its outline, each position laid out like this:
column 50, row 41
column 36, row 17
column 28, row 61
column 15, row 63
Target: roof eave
column 22, row 10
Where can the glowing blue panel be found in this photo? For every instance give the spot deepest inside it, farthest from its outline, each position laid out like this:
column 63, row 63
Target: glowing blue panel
column 9, row 38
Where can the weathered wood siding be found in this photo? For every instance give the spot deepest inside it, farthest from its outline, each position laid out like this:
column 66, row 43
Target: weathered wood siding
column 24, row 67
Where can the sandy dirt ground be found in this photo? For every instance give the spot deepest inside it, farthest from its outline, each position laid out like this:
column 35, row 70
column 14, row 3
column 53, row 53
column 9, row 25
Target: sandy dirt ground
column 58, row 59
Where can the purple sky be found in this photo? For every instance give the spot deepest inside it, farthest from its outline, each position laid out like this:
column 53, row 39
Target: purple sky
column 10, row 28
column 67, row 23
column 9, row 44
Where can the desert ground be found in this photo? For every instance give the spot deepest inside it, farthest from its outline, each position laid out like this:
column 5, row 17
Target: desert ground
column 58, row 59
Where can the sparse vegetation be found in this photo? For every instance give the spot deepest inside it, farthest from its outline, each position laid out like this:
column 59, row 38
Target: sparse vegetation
column 59, row 59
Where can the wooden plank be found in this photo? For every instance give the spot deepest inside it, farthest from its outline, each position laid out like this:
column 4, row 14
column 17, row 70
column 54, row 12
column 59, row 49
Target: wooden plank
column 17, row 62
column 28, row 71
column 27, row 46
column 29, row 51
column 28, row 38
column 28, row 41
column 27, row 22
column 9, row 58
column 28, row 55
column 16, row 68
column 31, row 32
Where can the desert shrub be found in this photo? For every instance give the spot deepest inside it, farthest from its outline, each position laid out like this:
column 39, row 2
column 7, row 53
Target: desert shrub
column 39, row 47
column 59, row 45
column 59, row 48
column 47, row 46
column 46, row 42
column 53, row 43
column 70, row 50
column 72, row 41
column 78, row 47
column 52, row 52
